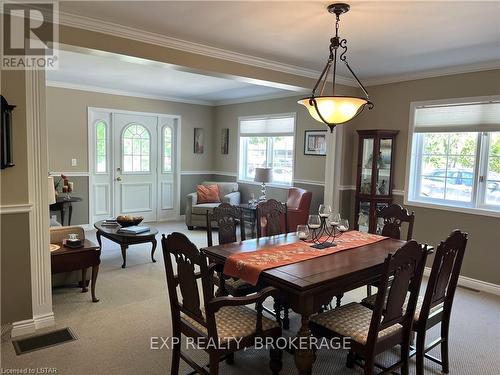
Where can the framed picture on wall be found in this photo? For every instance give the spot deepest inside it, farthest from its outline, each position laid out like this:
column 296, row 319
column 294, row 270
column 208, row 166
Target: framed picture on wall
column 315, row 142
column 199, row 140
column 224, row 141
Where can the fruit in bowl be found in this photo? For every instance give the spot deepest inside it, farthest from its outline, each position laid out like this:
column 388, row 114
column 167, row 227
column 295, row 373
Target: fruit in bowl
column 129, row 220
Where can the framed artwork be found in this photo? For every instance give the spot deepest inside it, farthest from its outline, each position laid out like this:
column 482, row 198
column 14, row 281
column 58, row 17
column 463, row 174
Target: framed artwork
column 199, row 140
column 224, row 141
column 315, row 142
column 6, row 133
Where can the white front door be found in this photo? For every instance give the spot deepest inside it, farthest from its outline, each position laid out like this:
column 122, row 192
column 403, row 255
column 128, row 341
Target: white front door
column 135, row 165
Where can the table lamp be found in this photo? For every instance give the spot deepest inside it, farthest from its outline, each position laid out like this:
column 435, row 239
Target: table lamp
column 51, row 191
column 263, row 175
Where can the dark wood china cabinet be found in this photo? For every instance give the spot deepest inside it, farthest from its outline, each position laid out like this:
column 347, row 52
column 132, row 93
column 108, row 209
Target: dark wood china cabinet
column 375, row 174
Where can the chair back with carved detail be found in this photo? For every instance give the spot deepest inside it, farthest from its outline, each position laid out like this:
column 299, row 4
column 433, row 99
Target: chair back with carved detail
column 272, row 218
column 227, row 218
column 444, row 275
column 183, row 288
column 394, row 216
column 401, row 277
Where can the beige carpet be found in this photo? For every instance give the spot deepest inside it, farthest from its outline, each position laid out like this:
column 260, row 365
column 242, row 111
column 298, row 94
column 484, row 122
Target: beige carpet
column 114, row 334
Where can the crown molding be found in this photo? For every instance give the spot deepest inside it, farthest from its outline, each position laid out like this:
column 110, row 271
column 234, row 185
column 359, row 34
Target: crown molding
column 91, row 24
column 259, row 98
column 103, row 90
column 461, row 69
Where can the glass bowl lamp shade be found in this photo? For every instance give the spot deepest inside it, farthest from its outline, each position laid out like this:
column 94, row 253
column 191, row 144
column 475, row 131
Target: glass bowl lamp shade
column 333, row 110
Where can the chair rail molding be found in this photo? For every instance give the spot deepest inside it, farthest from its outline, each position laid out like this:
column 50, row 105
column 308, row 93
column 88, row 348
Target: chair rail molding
column 16, row 208
column 41, row 283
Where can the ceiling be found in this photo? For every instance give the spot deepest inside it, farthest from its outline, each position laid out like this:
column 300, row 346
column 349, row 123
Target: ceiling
column 385, row 39
column 118, row 74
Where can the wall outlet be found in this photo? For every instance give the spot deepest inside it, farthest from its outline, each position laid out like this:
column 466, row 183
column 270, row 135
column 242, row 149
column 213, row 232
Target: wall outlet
column 73, row 162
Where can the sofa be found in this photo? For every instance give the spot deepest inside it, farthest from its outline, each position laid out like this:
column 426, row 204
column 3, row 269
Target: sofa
column 298, row 204
column 196, row 214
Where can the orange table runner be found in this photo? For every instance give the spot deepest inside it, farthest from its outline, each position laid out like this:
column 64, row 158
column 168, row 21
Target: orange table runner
column 248, row 266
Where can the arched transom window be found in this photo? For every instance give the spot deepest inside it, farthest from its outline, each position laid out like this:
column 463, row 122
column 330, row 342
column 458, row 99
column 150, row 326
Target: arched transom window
column 136, row 146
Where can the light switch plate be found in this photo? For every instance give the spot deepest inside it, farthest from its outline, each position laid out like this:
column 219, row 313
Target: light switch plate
column 73, row 162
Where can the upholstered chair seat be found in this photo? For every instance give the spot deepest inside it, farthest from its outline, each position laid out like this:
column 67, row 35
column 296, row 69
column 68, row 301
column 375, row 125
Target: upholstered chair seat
column 234, row 322
column 370, row 303
column 351, row 320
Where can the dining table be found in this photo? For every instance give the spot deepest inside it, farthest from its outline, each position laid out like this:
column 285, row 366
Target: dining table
column 308, row 285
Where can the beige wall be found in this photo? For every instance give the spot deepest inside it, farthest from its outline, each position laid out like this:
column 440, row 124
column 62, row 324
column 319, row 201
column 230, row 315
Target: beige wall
column 68, row 128
column 307, row 167
column 14, row 228
column 392, row 106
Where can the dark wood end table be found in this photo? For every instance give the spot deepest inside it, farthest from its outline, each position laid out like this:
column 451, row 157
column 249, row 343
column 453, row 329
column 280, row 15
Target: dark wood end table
column 125, row 239
column 61, row 203
column 66, row 259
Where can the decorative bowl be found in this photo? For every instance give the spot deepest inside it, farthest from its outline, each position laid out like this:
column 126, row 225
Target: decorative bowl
column 128, row 221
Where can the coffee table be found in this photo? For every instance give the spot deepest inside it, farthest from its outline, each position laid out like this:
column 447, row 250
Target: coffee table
column 125, row 239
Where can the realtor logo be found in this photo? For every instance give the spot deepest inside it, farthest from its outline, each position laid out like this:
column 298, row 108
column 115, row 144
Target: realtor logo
column 30, row 35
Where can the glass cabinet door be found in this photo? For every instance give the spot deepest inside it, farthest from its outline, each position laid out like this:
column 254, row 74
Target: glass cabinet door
column 383, row 167
column 364, row 216
column 380, row 221
column 366, row 167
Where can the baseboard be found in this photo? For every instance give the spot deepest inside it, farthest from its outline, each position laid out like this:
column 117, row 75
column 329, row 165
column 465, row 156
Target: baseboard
column 468, row 282
column 29, row 326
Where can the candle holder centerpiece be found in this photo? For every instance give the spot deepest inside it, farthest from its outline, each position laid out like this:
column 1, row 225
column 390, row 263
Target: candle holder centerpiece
column 324, row 228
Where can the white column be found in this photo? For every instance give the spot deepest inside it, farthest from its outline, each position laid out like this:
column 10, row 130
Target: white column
column 41, row 283
column 333, row 168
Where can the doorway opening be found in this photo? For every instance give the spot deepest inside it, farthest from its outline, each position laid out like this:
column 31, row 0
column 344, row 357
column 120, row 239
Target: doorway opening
column 133, row 164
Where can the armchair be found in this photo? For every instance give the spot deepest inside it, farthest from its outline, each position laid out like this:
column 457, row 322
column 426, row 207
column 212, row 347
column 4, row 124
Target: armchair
column 298, row 204
column 196, row 213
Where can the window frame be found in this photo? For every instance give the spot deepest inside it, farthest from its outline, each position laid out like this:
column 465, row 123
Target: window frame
column 414, row 164
column 106, row 143
column 242, row 178
column 162, row 142
column 122, row 150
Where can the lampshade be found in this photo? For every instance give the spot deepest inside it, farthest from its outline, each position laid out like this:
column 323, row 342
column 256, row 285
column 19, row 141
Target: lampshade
column 263, row 175
column 51, row 191
column 334, row 109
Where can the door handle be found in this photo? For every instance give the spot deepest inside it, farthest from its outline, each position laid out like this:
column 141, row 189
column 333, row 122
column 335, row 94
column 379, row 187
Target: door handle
column 118, row 179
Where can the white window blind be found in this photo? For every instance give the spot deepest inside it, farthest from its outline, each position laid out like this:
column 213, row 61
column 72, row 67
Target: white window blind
column 462, row 117
column 268, row 126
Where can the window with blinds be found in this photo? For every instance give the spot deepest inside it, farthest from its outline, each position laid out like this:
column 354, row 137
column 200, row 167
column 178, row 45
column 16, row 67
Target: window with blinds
column 267, row 141
column 455, row 154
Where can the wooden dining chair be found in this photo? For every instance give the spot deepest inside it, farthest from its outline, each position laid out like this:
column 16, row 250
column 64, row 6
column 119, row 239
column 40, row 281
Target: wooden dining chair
column 218, row 319
column 227, row 218
column 388, row 325
column 272, row 218
column 394, row 216
column 435, row 306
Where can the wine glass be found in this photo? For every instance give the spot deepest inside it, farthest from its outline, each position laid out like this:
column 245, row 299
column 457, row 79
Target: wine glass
column 324, row 210
column 343, row 225
column 302, row 232
column 314, row 222
column 334, row 219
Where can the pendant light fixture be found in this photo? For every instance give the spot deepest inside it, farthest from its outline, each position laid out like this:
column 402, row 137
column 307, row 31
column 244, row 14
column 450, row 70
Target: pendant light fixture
column 335, row 109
